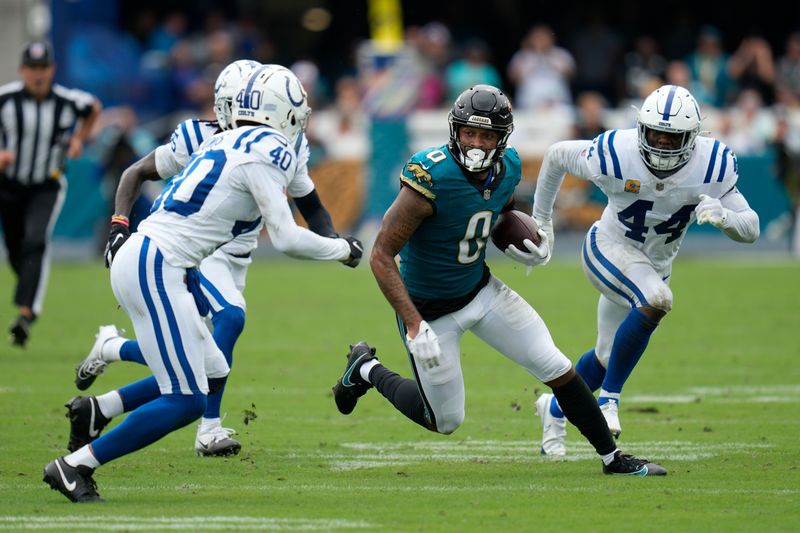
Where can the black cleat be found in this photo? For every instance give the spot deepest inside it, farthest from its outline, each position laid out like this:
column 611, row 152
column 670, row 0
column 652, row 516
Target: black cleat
column 74, row 482
column 350, row 386
column 628, row 465
column 85, row 421
column 20, row 331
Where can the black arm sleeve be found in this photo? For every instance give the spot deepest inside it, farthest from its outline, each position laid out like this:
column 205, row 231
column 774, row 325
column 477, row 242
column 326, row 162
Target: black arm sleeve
column 316, row 216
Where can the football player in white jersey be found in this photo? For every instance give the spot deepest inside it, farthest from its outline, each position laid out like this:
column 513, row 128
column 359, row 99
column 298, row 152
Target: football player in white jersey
column 659, row 177
column 224, row 273
column 237, row 175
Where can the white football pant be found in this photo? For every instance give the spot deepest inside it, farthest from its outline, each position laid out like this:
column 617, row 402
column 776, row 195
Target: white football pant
column 175, row 343
column 626, row 279
column 507, row 323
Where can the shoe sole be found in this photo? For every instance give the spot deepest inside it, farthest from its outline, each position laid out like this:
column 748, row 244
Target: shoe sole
column 53, row 483
column 227, row 452
column 345, row 405
column 83, row 384
column 19, row 336
column 645, row 472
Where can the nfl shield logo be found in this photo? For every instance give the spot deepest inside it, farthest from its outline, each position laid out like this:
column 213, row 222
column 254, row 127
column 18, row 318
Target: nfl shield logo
column 659, row 186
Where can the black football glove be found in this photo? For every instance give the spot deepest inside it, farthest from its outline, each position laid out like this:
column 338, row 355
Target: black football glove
column 356, row 251
column 117, row 236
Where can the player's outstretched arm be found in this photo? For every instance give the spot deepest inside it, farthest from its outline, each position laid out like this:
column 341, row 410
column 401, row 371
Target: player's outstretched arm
column 285, row 234
column 560, row 158
column 316, row 216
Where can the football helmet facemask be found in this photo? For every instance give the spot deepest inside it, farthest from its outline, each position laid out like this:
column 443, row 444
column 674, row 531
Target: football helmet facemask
column 480, row 106
column 671, row 109
column 273, row 96
column 225, row 89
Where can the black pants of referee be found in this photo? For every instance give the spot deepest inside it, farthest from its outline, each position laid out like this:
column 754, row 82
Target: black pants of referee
column 28, row 215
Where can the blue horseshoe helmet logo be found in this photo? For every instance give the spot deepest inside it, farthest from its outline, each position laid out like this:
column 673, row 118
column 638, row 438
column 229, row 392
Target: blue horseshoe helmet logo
column 296, row 103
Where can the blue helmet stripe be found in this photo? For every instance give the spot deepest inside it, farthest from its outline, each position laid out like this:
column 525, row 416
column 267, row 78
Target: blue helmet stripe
column 670, row 97
column 252, row 80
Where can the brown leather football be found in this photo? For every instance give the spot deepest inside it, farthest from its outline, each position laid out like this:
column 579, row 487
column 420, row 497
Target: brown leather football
column 513, row 227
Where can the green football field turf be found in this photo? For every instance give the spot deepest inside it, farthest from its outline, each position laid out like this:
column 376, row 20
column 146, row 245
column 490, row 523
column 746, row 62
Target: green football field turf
column 715, row 400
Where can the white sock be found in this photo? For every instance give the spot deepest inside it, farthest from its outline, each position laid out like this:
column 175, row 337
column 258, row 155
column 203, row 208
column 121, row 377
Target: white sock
column 110, row 404
column 366, row 367
column 609, row 458
column 110, row 349
column 611, row 395
column 82, row 457
column 209, row 423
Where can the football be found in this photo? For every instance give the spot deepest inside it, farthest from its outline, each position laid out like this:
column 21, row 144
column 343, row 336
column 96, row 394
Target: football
column 513, row 227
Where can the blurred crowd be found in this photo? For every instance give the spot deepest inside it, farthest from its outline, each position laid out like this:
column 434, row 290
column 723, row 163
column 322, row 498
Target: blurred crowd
column 750, row 93
column 163, row 65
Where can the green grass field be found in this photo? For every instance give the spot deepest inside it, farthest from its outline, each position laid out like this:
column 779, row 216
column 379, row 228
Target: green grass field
column 715, row 400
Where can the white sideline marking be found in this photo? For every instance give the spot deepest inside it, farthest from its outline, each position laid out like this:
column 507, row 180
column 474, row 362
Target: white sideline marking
column 193, row 523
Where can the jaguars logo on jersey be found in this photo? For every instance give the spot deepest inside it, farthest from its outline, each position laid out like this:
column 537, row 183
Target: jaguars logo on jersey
column 420, row 174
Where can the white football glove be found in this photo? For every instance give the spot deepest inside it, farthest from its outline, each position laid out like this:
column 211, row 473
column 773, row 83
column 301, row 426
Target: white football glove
column 425, row 346
column 534, row 255
column 547, row 227
column 710, row 211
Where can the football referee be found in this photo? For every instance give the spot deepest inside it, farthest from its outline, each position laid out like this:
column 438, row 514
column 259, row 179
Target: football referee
column 37, row 132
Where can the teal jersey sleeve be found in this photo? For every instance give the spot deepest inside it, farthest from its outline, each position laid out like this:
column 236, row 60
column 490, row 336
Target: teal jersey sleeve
column 416, row 174
column 444, row 258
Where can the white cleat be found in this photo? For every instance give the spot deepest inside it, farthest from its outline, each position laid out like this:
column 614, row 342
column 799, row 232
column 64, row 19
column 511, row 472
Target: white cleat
column 554, row 430
column 216, row 441
column 610, row 411
column 94, row 365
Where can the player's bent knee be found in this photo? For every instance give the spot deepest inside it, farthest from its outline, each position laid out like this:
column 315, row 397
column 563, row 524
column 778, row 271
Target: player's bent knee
column 231, row 317
column 662, row 299
column 447, row 423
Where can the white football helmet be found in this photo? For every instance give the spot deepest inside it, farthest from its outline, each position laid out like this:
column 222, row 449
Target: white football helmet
column 225, row 89
column 674, row 110
column 272, row 95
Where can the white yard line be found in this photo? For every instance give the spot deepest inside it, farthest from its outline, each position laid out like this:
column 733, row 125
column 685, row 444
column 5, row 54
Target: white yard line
column 395, row 454
column 225, row 523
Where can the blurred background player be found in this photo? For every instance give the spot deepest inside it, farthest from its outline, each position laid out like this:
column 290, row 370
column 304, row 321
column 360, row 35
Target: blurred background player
column 37, row 132
column 238, row 175
column 659, row 177
column 439, row 223
column 223, row 273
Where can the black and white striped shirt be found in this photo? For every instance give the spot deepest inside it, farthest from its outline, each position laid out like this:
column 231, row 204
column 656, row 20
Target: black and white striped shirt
column 38, row 131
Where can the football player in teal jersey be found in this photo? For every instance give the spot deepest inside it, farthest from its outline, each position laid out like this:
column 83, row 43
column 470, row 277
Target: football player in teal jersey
column 450, row 196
